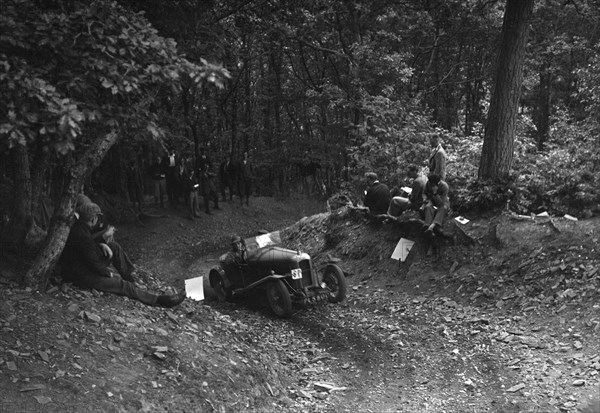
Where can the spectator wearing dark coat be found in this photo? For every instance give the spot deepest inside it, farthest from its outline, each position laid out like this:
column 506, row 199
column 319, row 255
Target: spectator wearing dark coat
column 158, row 173
column 227, row 177
column 172, row 183
column 206, row 176
column 134, row 185
column 437, row 203
column 377, row 196
column 104, row 235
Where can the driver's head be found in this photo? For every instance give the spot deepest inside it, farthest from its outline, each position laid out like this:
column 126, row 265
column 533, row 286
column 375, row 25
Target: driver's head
column 236, row 243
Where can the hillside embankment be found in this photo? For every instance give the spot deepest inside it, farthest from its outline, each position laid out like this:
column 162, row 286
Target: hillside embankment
column 505, row 320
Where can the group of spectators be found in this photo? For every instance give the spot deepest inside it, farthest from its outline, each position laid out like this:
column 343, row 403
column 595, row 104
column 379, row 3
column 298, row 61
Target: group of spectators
column 184, row 180
column 428, row 194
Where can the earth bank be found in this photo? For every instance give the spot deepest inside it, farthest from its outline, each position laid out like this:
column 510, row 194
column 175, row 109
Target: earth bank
column 507, row 320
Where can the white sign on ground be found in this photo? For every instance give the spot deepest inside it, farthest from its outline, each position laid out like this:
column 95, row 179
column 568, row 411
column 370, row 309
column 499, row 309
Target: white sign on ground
column 194, row 288
column 462, row 220
column 402, row 249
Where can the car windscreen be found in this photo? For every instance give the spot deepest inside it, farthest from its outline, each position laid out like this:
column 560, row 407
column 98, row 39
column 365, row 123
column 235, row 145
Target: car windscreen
column 263, row 240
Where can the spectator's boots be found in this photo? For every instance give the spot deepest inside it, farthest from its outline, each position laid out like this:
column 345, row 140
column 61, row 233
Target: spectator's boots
column 170, row 300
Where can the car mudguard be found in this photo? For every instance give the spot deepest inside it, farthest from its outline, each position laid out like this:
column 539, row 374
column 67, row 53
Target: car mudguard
column 218, row 272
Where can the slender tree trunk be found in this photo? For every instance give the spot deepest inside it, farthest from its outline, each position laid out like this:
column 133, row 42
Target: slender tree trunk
column 37, row 275
column 541, row 116
column 38, row 179
column 498, row 143
column 13, row 236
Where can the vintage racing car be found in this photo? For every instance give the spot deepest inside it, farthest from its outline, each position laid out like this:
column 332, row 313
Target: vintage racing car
column 286, row 276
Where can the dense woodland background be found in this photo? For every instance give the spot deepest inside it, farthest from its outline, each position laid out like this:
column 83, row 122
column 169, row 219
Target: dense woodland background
column 353, row 85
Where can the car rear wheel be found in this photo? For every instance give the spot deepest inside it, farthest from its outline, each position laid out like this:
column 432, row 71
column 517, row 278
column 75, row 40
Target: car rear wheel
column 218, row 285
column 335, row 280
column 279, row 298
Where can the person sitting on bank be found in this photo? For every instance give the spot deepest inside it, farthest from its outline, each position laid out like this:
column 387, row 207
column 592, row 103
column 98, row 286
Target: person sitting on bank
column 414, row 201
column 377, row 196
column 437, row 205
column 86, row 265
column 104, row 234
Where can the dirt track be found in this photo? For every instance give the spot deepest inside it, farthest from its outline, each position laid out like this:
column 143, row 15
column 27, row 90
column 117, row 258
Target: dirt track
column 505, row 330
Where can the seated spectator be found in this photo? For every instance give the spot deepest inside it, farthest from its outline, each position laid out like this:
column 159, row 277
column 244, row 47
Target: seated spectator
column 437, row 205
column 104, row 235
column 86, row 264
column 377, row 195
column 414, row 201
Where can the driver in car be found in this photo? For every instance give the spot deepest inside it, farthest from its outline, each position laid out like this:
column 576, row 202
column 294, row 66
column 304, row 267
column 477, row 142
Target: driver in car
column 237, row 255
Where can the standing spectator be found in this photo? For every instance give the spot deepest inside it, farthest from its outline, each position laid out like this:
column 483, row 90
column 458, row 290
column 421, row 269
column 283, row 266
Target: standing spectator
column 244, row 179
column 207, row 183
column 170, row 162
column 227, row 177
column 377, row 195
column 192, row 187
column 180, row 180
column 134, row 185
column 438, row 157
column 158, row 174
column 414, row 201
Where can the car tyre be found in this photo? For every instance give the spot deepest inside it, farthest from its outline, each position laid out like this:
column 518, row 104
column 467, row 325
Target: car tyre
column 218, row 285
column 279, row 298
column 335, row 280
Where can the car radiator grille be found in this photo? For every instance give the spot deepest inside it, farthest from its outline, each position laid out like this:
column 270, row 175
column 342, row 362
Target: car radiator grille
column 306, row 275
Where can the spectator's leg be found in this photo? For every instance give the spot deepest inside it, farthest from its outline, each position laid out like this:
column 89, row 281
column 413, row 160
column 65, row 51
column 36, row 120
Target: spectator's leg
column 440, row 215
column 156, row 192
column 429, row 214
column 163, row 191
column 215, row 199
column 121, row 261
column 118, row 286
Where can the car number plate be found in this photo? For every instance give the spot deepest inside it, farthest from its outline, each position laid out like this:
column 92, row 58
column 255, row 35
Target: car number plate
column 296, row 274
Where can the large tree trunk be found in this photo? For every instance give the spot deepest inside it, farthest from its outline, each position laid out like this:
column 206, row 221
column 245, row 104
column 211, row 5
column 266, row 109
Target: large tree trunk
column 47, row 257
column 498, row 143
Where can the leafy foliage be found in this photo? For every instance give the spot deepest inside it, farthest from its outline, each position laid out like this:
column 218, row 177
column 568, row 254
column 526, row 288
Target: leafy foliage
column 63, row 74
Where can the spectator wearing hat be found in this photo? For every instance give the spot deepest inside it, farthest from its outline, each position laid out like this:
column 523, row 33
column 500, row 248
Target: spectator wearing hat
column 104, row 234
column 377, row 195
column 86, row 263
column 158, row 174
column 237, row 255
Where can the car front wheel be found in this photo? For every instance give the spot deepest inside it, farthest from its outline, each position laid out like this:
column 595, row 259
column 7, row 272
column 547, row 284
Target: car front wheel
column 335, row 280
column 218, row 285
column 279, row 298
